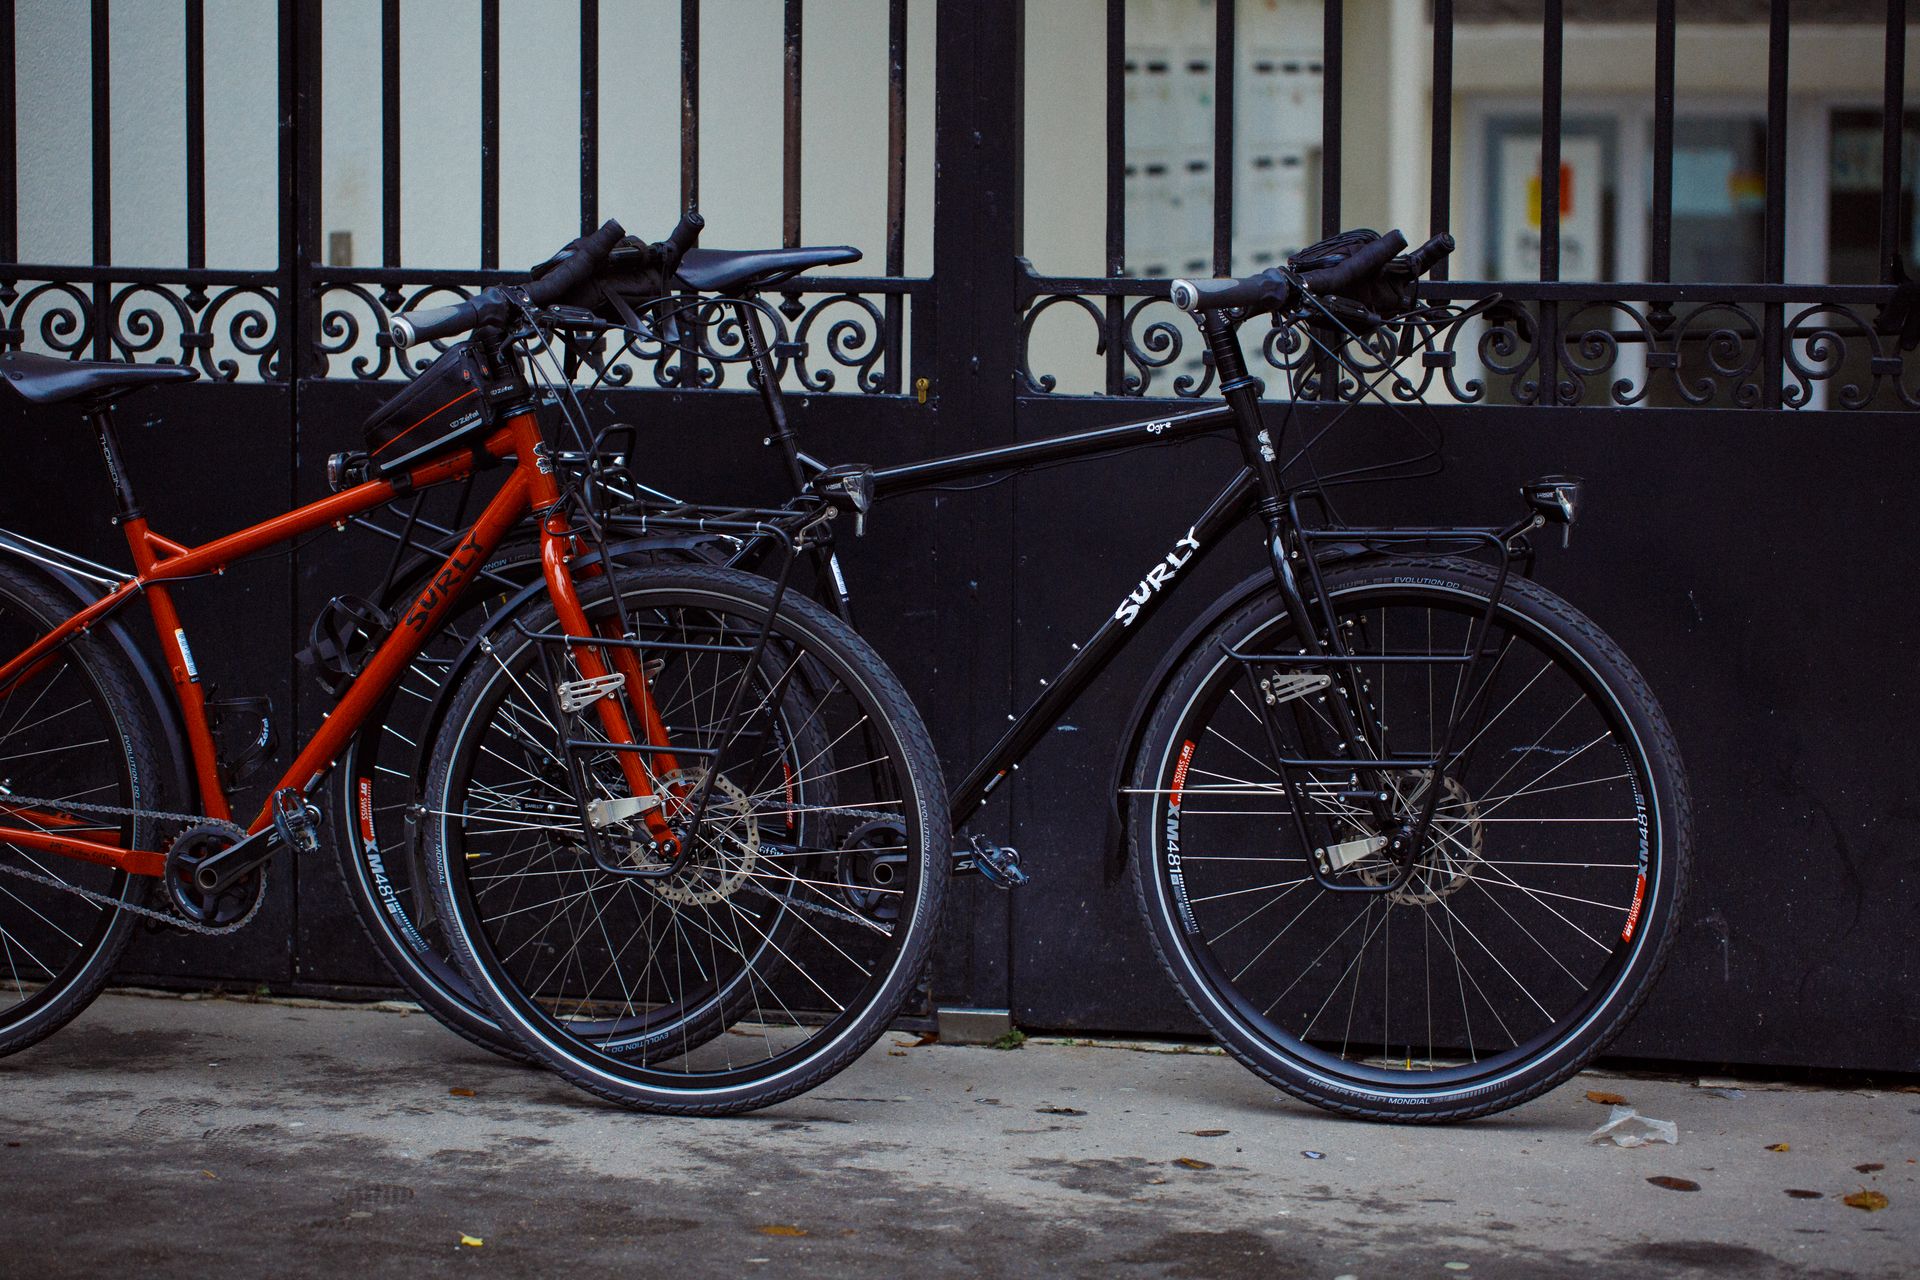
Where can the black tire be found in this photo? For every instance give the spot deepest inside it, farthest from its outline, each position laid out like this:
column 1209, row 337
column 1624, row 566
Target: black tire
column 379, row 780
column 1239, row 919
column 623, row 986
column 375, row 785
column 75, row 728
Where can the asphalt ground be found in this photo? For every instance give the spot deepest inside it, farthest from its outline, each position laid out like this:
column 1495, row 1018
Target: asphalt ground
column 164, row 1136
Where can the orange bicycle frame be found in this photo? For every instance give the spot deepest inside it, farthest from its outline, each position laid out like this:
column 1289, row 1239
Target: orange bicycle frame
column 159, row 561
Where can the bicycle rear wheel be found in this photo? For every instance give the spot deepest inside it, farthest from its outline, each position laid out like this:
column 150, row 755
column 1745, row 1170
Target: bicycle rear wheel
column 74, row 729
column 803, row 916
column 1531, row 924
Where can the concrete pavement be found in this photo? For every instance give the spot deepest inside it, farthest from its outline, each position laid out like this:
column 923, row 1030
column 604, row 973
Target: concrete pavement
column 207, row 1136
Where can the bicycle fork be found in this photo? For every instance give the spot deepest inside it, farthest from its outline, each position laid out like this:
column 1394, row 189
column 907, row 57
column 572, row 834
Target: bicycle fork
column 1321, row 674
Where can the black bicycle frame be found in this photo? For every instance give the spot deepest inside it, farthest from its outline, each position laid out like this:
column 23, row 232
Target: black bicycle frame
column 1257, row 489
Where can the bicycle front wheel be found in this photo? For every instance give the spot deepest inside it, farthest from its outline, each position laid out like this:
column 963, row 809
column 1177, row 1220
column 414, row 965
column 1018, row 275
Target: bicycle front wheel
column 1531, row 922
column 799, row 923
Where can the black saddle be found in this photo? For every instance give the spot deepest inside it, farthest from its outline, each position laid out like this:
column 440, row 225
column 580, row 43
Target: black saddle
column 719, row 270
column 47, row 380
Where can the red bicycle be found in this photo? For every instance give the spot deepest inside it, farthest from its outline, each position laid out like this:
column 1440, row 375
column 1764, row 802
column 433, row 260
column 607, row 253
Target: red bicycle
column 736, row 813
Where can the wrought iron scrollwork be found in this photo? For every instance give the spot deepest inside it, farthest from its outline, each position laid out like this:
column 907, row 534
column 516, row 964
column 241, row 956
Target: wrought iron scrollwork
column 223, row 330
column 1604, row 350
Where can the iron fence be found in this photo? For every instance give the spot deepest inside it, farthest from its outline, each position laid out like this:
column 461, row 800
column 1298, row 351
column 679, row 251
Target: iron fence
column 1766, row 344
column 1769, row 344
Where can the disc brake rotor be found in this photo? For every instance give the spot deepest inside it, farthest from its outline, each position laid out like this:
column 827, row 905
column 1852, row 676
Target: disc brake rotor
column 728, row 855
column 1453, row 846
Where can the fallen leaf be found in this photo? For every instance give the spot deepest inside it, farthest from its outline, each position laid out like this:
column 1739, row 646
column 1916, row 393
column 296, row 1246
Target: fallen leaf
column 472, row 1242
column 932, row 1037
column 1605, row 1099
column 1871, row 1201
column 1060, row 1111
column 1798, row 1194
column 896, row 1053
column 1674, row 1184
column 1779, row 1146
column 1208, row 1133
column 1871, row 1167
column 1188, row 1162
column 781, row 1229
column 459, row 1092
column 208, row 1173
column 1156, row 1182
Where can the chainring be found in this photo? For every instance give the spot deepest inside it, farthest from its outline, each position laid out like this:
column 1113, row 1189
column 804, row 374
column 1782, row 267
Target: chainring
column 213, row 910
column 872, row 868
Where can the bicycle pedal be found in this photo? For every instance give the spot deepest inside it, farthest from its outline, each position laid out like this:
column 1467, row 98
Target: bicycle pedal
column 998, row 865
column 295, row 821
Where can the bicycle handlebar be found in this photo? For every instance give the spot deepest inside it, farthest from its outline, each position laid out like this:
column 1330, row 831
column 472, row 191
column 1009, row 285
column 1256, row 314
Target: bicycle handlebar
column 1279, row 288
column 1362, row 263
column 686, row 233
column 575, row 267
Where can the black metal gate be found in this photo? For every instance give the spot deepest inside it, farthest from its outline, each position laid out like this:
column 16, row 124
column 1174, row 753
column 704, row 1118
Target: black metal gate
column 1739, row 551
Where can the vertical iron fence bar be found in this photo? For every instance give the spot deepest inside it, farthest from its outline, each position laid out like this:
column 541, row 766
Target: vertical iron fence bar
column 9, row 175
column 300, row 301
column 896, row 186
column 1774, row 270
column 1223, row 77
column 1116, row 188
column 790, row 130
column 489, row 134
column 1440, row 211
column 1893, row 139
column 687, row 369
column 589, row 115
column 196, row 135
column 390, row 133
column 1551, row 71
column 102, row 179
column 689, row 104
column 1332, row 23
column 1663, row 91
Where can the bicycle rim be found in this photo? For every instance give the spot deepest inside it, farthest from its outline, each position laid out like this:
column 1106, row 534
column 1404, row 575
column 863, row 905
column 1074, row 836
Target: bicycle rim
column 790, row 922
column 1512, row 938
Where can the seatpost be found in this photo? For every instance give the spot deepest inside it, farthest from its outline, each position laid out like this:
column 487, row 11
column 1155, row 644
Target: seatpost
column 102, row 419
column 770, row 393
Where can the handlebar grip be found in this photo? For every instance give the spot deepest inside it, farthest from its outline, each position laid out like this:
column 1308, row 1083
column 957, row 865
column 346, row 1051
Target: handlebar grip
column 1211, row 295
column 1363, row 262
column 429, row 323
column 589, row 255
column 686, row 233
column 1423, row 259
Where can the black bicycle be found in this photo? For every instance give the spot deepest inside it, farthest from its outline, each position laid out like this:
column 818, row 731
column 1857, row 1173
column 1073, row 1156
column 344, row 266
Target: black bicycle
column 1409, row 832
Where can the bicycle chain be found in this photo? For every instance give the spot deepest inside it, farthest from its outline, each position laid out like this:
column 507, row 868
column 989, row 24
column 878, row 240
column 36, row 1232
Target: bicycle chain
column 164, row 917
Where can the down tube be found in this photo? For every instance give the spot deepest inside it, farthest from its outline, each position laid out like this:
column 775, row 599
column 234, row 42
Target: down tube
column 421, row 619
column 1131, row 615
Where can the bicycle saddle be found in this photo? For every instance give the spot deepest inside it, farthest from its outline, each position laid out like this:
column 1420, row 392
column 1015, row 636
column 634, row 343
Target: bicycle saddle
column 47, row 380
column 723, row 269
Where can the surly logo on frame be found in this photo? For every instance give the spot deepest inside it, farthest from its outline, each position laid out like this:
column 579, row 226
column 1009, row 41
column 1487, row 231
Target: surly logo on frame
column 446, row 582
column 1157, row 577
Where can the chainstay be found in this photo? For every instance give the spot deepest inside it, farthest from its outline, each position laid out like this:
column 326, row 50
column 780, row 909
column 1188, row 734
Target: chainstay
column 121, row 904
column 164, row 917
